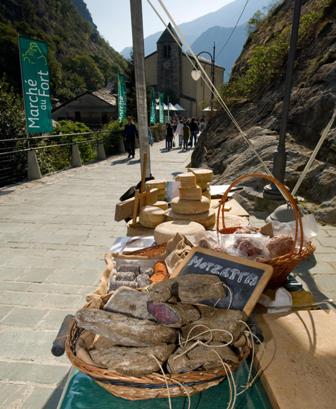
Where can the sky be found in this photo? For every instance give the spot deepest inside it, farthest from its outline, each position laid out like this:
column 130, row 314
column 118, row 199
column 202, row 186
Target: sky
column 113, row 20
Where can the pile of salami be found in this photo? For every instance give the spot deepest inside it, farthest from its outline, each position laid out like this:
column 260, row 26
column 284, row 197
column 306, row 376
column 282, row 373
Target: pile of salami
column 170, row 326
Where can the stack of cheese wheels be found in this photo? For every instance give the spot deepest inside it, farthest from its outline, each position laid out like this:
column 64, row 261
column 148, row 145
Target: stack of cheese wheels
column 166, row 231
column 206, row 219
column 203, row 179
column 158, row 184
column 161, row 204
column 151, row 216
column 191, row 205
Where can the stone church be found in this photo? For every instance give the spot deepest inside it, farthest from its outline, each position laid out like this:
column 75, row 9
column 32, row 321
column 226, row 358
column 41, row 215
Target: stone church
column 168, row 70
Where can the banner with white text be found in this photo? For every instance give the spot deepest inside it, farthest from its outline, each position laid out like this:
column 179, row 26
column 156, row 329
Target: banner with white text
column 35, row 84
column 152, row 117
column 161, row 108
column 122, row 98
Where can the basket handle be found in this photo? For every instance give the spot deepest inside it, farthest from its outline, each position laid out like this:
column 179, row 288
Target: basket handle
column 286, row 193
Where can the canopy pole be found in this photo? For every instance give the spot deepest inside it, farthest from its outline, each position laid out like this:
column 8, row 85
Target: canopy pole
column 140, row 81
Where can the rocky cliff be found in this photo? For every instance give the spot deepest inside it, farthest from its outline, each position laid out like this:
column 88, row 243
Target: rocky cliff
column 255, row 95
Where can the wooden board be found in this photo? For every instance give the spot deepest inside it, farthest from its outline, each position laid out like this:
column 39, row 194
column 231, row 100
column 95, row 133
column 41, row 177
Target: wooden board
column 124, row 210
column 301, row 359
column 245, row 278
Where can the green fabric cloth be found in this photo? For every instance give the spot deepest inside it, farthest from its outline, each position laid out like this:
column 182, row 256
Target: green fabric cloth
column 83, row 393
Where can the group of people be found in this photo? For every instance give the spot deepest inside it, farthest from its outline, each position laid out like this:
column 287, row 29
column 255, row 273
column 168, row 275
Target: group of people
column 186, row 132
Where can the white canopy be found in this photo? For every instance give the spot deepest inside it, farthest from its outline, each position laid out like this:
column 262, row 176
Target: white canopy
column 209, row 109
column 165, row 107
column 172, row 107
column 179, row 108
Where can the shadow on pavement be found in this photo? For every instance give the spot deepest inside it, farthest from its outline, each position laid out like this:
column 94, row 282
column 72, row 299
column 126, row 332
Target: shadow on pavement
column 133, row 162
column 119, row 161
column 303, row 271
column 5, row 191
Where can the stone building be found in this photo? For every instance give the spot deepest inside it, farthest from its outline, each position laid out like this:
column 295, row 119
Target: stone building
column 168, row 70
column 93, row 108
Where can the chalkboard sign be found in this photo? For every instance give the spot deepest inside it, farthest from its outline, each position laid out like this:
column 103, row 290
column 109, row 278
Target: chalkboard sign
column 245, row 278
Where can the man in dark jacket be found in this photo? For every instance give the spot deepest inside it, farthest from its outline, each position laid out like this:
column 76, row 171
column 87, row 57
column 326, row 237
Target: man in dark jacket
column 130, row 133
column 193, row 131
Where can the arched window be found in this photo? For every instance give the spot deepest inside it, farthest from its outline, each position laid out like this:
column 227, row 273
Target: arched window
column 166, row 51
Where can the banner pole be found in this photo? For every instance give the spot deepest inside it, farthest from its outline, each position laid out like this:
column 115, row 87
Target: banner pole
column 140, row 81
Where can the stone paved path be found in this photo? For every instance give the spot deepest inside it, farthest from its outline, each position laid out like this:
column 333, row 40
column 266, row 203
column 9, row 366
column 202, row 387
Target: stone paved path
column 53, row 236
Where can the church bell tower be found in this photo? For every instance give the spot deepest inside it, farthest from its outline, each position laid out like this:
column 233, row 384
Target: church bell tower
column 169, row 65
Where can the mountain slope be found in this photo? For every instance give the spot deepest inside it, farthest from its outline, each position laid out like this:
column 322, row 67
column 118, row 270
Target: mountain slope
column 219, row 35
column 255, row 95
column 84, row 11
column 224, row 17
column 79, row 58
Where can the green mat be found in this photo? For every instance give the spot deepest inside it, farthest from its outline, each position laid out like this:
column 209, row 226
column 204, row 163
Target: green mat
column 83, row 393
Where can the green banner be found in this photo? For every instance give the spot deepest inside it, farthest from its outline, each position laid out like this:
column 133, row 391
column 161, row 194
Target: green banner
column 152, row 119
column 161, row 109
column 35, row 84
column 122, row 98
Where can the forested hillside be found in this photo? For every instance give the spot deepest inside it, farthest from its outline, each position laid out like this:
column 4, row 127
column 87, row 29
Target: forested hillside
column 79, row 58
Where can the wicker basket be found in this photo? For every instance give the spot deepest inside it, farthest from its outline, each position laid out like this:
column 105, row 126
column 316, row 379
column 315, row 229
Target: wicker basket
column 282, row 265
column 149, row 386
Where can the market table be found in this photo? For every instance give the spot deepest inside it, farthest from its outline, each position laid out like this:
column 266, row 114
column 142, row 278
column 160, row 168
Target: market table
column 299, row 359
column 83, row 393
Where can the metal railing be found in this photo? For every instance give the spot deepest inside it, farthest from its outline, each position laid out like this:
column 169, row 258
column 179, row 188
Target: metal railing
column 11, row 154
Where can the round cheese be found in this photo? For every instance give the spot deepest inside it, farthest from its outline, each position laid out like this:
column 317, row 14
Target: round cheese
column 162, row 194
column 206, row 219
column 151, row 216
column 168, row 230
column 186, row 179
column 202, row 175
column 156, row 183
column 190, row 193
column 190, row 206
column 161, row 204
column 138, row 230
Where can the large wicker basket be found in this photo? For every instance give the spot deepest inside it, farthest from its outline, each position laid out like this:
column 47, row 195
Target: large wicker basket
column 282, row 265
column 149, row 386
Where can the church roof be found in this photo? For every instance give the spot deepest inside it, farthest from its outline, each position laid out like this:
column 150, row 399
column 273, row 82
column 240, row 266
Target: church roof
column 166, row 37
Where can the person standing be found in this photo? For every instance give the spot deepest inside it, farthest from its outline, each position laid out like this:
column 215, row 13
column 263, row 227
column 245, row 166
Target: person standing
column 194, row 131
column 169, row 136
column 150, row 136
column 130, row 133
column 179, row 133
column 186, row 136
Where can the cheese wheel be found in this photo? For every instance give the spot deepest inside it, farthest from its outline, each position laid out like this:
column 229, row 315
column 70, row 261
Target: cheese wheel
column 156, row 183
column 166, row 231
column 151, row 216
column 162, row 195
column 138, row 230
column 190, row 206
column 161, row 204
column 186, row 179
column 190, row 193
column 206, row 219
column 202, row 175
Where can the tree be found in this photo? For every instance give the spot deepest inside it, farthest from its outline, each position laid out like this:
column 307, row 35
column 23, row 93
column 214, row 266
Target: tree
column 11, row 112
